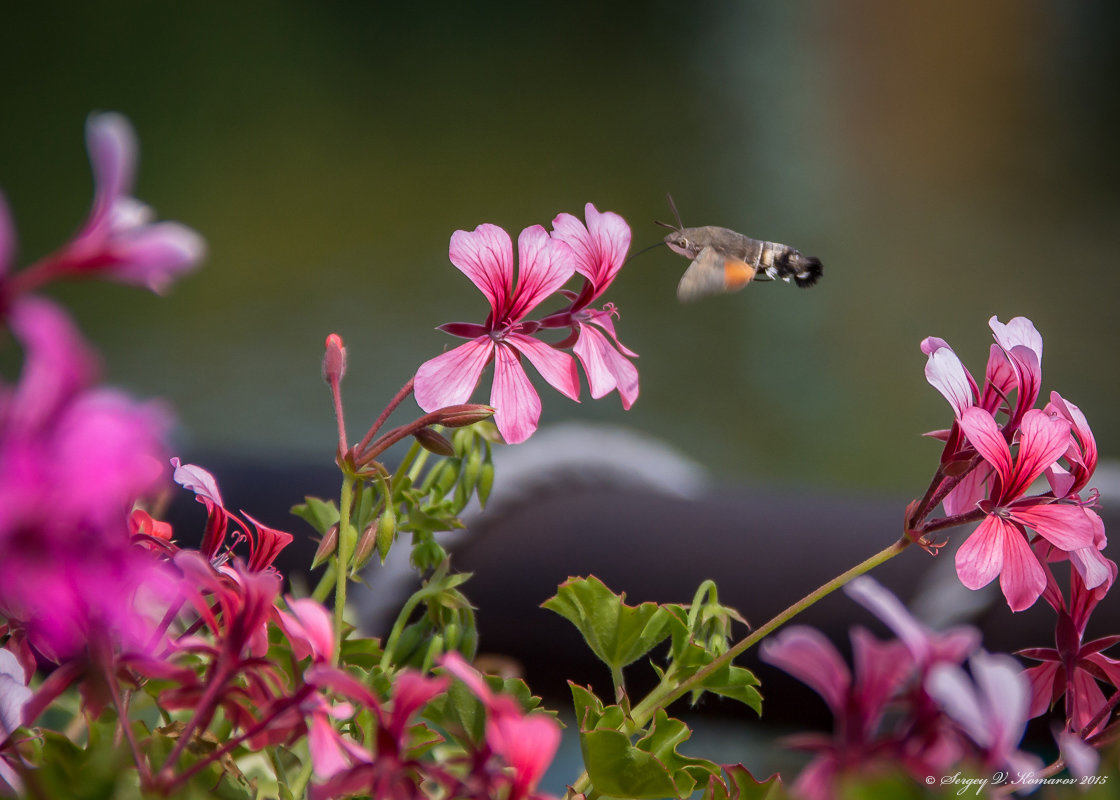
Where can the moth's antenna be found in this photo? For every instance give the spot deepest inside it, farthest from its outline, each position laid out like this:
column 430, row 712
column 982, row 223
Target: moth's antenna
column 676, row 214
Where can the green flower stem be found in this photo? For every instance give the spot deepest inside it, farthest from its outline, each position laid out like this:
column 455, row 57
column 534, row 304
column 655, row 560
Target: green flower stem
column 663, row 694
column 347, row 541
column 326, row 583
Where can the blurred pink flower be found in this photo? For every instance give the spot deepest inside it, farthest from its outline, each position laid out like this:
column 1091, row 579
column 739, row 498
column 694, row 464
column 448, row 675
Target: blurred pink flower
column 485, row 255
column 858, row 701
column 119, row 240
column 991, row 707
column 999, row 546
column 600, row 250
column 73, row 459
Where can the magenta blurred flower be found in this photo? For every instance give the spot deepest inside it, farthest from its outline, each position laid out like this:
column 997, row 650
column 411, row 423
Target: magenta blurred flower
column 119, row 240
column 999, row 546
column 600, row 250
column 927, row 647
column 858, row 702
column 990, row 708
column 73, row 459
column 485, row 255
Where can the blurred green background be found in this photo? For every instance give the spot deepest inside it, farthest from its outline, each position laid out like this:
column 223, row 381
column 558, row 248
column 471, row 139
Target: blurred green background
column 946, row 160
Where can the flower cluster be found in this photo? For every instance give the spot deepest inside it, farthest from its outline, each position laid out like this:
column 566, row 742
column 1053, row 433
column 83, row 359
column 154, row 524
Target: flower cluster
column 938, row 714
column 75, row 456
column 545, row 263
column 980, row 473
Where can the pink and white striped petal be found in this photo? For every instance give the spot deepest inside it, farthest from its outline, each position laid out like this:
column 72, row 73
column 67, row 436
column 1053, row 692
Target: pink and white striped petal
column 517, row 406
column 450, row 378
column 555, row 366
column 544, row 265
column 485, row 255
column 606, row 368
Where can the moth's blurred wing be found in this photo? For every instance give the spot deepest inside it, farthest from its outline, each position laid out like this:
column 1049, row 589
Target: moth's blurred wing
column 712, row 273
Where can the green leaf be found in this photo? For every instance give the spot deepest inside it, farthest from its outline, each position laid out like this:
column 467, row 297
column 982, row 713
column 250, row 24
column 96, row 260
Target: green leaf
column 617, row 633
column 320, row 514
column 741, row 785
column 618, row 769
column 737, row 683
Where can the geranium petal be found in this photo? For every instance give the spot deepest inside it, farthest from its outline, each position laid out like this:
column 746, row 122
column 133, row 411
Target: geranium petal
column 196, row 479
column 1006, row 693
column 807, row 655
column 983, row 433
column 517, row 406
column 450, row 378
column 156, row 255
column 1017, row 332
column 1041, row 678
column 485, row 255
column 1022, row 578
column 57, row 362
column 600, row 248
column 945, row 373
column 1043, row 440
column 7, row 238
column 556, row 367
column 606, row 368
column 544, row 265
column 969, row 491
column 956, row 694
column 14, row 693
column 873, row 596
column 411, row 692
column 1067, row 527
column 980, row 558
column 327, row 756
column 111, row 142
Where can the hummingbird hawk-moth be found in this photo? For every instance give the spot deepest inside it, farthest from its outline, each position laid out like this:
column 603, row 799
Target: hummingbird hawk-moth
column 726, row 261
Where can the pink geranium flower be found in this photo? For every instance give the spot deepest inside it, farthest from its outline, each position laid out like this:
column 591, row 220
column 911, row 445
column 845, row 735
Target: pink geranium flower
column 600, row 250
column 858, row 701
column 1073, row 667
column 999, row 546
column 119, row 241
column 1014, row 366
column 73, row 459
column 485, row 255
column 991, row 708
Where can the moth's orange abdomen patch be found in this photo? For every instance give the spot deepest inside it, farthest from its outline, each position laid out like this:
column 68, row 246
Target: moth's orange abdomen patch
column 736, row 273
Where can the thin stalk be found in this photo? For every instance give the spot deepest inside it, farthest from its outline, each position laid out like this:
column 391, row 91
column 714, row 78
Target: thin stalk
column 404, row 392
column 347, row 540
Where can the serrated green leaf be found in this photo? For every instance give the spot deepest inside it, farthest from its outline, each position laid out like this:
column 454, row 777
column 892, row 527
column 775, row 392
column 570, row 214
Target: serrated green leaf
column 618, row 769
column 617, row 633
column 319, row 514
column 741, row 785
column 737, row 683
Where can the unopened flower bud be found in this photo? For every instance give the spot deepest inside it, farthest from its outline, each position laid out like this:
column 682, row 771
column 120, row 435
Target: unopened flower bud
column 434, row 442
column 366, row 545
column 327, row 545
column 334, row 359
column 386, row 532
column 464, row 414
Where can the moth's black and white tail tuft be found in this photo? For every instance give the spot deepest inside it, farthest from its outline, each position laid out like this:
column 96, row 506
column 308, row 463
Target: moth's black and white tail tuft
column 808, row 272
